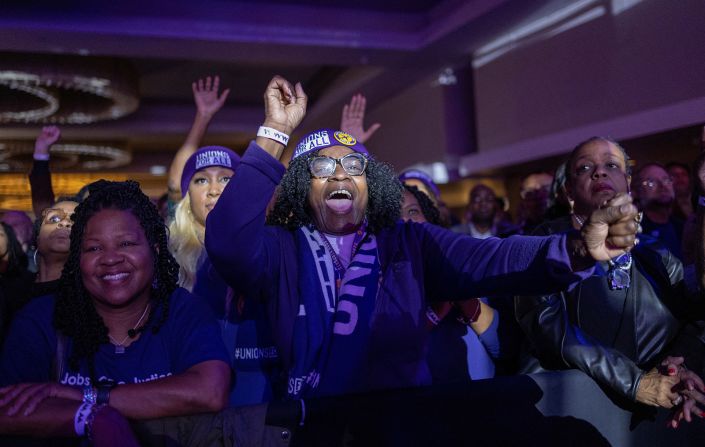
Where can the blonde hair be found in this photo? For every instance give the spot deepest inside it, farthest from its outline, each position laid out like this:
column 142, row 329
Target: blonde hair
column 186, row 239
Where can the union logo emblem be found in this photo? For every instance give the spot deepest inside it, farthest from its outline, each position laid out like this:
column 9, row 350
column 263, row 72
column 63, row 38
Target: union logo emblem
column 345, row 138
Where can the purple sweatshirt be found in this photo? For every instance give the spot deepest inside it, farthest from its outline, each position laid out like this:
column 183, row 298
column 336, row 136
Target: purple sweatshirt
column 418, row 262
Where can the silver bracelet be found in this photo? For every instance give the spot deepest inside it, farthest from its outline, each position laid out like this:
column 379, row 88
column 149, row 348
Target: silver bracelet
column 90, row 395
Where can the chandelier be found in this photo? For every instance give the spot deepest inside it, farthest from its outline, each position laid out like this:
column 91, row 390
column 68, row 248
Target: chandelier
column 16, row 156
column 65, row 89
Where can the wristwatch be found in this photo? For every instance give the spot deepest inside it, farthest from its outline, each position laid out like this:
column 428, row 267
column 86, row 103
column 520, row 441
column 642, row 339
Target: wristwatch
column 103, row 389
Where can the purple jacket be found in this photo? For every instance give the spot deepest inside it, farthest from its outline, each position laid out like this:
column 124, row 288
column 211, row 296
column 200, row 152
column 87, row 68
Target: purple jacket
column 418, row 261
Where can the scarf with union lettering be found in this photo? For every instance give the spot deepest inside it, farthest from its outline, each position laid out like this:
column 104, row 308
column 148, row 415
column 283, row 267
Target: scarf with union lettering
column 331, row 331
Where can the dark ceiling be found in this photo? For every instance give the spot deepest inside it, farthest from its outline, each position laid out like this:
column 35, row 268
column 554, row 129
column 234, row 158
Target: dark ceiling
column 334, row 48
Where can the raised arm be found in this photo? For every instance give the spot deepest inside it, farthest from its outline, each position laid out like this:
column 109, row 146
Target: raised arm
column 284, row 109
column 238, row 219
column 353, row 118
column 39, row 175
column 208, row 103
column 457, row 265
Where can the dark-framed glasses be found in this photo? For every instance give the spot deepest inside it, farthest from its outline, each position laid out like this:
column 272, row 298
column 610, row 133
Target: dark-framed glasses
column 55, row 215
column 353, row 164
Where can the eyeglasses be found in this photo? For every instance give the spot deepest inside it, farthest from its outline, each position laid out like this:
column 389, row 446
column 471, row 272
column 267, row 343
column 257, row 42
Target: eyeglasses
column 55, row 215
column 353, row 164
column 651, row 184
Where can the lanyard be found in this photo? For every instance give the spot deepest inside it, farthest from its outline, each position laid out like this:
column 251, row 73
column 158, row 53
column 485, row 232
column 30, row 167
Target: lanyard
column 337, row 265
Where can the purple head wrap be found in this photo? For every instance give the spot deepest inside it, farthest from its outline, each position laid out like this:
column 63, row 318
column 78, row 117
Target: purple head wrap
column 206, row 157
column 423, row 178
column 323, row 138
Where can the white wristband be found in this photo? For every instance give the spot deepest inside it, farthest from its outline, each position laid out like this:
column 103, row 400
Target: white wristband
column 41, row 157
column 273, row 134
column 79, row 419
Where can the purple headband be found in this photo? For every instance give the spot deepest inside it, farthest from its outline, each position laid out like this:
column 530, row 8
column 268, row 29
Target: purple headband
column 324, row 138
column 206, row 157
column 423, row 178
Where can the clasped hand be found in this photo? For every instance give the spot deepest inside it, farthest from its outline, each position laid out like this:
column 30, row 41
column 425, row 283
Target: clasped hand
column 612, row 229
column 689, row 391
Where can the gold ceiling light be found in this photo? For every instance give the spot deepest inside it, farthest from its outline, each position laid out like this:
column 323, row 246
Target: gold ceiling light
column 64, row 89
column 17, row 156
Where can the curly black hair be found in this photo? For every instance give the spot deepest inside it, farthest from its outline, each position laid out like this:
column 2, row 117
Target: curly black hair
column 17, row 259
column 429, row 210
column 75, row 314
column 291, row 208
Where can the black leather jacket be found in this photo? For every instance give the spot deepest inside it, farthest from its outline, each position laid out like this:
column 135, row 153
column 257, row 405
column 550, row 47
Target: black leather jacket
column 612, row 335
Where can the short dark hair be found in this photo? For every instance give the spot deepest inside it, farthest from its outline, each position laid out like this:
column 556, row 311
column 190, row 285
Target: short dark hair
column 571, row 157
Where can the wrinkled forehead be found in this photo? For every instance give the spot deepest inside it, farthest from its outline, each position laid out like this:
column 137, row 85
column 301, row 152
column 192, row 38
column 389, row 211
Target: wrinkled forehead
column 599, row 150
column 335, row 151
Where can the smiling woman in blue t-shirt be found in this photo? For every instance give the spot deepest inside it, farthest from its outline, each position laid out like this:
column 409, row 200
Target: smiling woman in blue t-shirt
column 119, row 334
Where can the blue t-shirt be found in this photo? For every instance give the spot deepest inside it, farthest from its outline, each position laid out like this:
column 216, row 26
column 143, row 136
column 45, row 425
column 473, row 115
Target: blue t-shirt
column 189, row 336
column 247, row 334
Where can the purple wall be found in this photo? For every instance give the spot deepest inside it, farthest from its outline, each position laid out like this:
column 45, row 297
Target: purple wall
column 648, row 57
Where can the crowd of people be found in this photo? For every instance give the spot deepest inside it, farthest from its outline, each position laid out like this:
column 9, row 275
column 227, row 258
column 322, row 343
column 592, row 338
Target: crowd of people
column 254, row 282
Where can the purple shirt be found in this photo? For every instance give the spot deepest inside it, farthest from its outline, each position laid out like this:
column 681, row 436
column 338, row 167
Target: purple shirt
column 418, row 261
